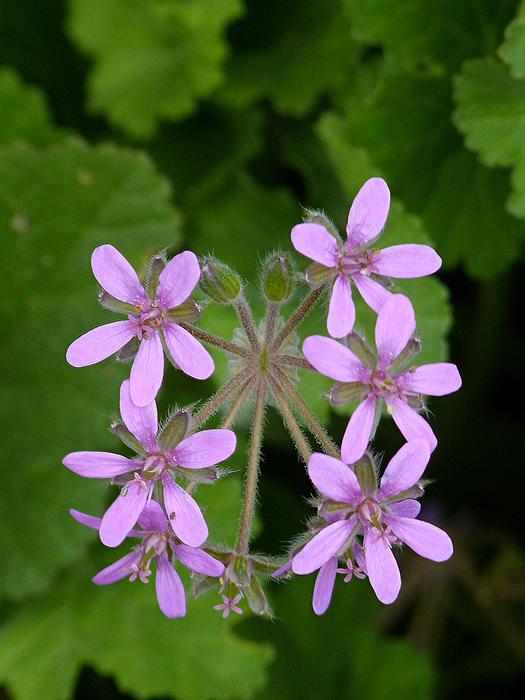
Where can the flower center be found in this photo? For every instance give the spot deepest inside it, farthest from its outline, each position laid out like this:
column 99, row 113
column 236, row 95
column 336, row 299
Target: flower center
column 382, row 384
column 154, row 466
column 354, row 262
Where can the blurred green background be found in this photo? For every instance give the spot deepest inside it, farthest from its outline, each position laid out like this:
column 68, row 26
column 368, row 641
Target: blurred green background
column 207, row 124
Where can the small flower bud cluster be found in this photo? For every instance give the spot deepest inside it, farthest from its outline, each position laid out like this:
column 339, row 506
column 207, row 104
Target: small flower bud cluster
column 361, row 516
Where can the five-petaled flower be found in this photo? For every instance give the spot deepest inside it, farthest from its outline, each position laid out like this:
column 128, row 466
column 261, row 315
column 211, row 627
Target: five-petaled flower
column 354, row 262
column 377, row 378
column 152, row 319
column 157, row 463
column 382, row 515
column 156, row 542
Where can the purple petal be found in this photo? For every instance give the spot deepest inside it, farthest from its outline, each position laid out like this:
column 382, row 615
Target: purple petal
column 169, row 588
column 332, row 359
column 374, row 294
column 407, row 261
column 147, row 370
column 118, row 570
column 381, row 567
column 283, row 570
column 396, row 322
column 123, row 513
column 341, row 313
column 94, row 346
column 409, row 508
column 184, row 514
column 178, row 279
column 438, row 379
column 334, row 479
column 187, row 353
column 425, row 539
column 316, row 243
column 85, row 519
column 405, row 468
column 411, row 424
column 139, row 420
column 368, row 213
column 153, row 518
column 324, row 586
column 358, row 431
column 114, row 274
column 324, row 545
column 205, row 449
column 198, row 560
column 99, row 465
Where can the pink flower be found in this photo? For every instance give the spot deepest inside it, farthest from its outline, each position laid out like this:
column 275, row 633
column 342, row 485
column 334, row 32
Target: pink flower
column 353, row 260
column 377, row 379
column 149, row 320
column 158, row 464
column 381, row 515
column 229, row 605
column 156, row 541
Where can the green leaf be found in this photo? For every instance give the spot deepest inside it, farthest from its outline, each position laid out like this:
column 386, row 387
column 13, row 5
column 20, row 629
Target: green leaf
column 25, row 114
column 512, row 51
column 291, row 54
column 152, row 61
column 55, row 207
column 120, row 631
column 490, row 108
column 437, row 37
column 362, row 663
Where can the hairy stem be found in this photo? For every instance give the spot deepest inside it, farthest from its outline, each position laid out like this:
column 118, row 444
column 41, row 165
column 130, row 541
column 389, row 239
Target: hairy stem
column 212, row 339
column 252, row 472
column 290, row 422
column 245, row 317
column 311, row 420
column 298, row 315
column 224, row 393
column 292, row 361
column 242, row 397
column 271, row 318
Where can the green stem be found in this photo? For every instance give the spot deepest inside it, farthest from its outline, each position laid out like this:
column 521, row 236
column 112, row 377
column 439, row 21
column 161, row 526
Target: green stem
column 252, row 472
column 242, row 396
column 271, row 318
column 213, row 339
column 298, row 315
column 292, row 361
column 311, row 420
column 224, row 393
column 245, row 317
column 290, row 422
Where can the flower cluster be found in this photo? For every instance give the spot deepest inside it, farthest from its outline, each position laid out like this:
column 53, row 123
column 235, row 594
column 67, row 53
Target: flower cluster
column 361, row 517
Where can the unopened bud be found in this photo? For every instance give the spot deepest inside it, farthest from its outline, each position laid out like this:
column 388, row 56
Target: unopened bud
column 174, row 430
column 220, row 282
column 277, row 279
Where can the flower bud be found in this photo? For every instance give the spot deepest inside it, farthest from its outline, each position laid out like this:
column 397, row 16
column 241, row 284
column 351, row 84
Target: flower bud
column 174, row 430
column 220, row 282
column 277, row 279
